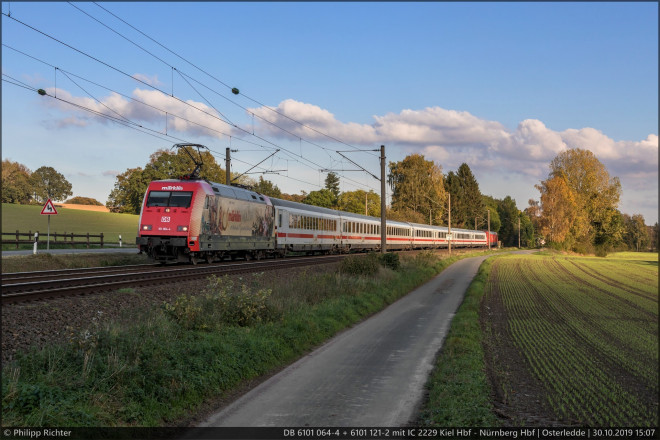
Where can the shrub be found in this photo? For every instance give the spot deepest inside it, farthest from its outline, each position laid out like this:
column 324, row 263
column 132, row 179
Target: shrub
column 360, row 265
column 390, row 260
column 221, row 303
column 426, row 259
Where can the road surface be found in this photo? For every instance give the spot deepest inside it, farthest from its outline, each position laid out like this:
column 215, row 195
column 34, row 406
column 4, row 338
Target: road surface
column 370, row 375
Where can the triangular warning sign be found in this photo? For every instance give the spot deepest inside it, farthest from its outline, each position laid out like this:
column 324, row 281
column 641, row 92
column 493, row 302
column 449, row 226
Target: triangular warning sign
column 48, row 208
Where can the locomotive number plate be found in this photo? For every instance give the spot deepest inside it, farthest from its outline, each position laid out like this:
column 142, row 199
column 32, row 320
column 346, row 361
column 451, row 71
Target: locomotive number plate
column 165, row 219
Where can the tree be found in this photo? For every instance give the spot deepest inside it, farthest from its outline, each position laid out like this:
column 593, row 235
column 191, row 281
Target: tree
column 417, row 186
column 84, row 201
column 130, row 186
column 596, row 194
column 405, row 215
column 332, row 184
column 267, row 188
column 509, row 215
column 322, row 197
column 636, row 233
column 128, row 193
column 49, row 184
column 16, row 184
column 354, row 201
column 466, row 202
column 491, row 204
column 560, row 210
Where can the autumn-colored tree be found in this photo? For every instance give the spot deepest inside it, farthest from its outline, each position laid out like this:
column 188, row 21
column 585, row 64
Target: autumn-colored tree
column 596, row 193
column 560, row 209
column 406, row 215
column 418, row 186
column 354, row 201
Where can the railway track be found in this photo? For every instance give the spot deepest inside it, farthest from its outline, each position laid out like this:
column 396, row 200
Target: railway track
column 30, row 286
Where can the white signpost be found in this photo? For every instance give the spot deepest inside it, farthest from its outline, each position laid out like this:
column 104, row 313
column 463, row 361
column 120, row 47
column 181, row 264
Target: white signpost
column 48, row 209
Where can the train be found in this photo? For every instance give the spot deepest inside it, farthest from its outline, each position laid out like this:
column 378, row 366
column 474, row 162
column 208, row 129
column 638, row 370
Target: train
column 192, row 220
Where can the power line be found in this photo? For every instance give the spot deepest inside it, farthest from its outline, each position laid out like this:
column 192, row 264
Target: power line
column 317, row 166
column 221, row 82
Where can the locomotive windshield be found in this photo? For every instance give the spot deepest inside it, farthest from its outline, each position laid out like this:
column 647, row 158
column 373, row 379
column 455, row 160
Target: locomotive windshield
column 176, row 199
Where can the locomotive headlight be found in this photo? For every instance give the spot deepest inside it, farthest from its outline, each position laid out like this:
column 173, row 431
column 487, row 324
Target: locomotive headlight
column 146, row 227
column 182, row 228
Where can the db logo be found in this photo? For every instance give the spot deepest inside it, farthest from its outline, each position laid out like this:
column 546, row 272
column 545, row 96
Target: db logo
column 165, row 219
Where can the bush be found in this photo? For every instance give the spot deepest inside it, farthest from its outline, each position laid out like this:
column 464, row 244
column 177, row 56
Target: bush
column 390, row 260
column 426, row 259
column 360, row 265
column 222, row 303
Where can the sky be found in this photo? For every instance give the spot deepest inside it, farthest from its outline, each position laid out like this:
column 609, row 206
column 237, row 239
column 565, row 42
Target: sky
column 503, row 87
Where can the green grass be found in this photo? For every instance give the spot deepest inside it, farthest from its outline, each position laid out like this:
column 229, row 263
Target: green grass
column 25, row 218
column 459, row 392
column 160, row 370
column 587, row 329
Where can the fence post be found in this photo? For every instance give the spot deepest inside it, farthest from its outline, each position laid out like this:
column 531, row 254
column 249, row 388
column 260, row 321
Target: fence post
column 101, row 239
column 36, row 238
column 17, row 234
column 72, row 245
column 88, row 240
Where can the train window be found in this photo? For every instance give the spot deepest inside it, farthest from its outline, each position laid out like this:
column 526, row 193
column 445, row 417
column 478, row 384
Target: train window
column 181, row 199
column 177, row 199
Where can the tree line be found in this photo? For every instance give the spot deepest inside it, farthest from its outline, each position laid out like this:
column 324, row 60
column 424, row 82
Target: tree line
column 577, row 210
column 20, row 185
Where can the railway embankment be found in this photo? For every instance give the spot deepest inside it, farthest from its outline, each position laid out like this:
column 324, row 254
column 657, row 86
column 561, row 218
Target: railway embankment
column 153, row 356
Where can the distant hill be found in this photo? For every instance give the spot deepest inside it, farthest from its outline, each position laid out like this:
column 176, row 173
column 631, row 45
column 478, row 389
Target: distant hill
column 83, row 201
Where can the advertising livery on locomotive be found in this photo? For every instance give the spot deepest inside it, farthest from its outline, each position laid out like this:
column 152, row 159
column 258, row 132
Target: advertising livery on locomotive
column 192, row 219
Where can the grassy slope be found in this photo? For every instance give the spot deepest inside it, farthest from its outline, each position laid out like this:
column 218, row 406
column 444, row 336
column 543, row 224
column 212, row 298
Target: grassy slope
column 25, row 218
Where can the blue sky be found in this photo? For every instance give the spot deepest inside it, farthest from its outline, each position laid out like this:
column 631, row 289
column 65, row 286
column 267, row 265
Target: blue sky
column 503, row 87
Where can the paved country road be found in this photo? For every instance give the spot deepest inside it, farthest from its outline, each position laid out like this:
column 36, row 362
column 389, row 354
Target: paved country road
column 370, row 375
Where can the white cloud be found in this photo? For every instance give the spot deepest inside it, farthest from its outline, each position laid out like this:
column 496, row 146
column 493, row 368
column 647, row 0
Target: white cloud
column 151, row 80
column 150, row 106
column 449, row 137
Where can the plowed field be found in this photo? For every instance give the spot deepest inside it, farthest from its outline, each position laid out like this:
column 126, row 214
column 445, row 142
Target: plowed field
column 573, row 341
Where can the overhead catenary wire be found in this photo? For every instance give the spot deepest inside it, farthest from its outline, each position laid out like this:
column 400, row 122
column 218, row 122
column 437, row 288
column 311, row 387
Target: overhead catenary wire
column 222, row 82
column 316, row 166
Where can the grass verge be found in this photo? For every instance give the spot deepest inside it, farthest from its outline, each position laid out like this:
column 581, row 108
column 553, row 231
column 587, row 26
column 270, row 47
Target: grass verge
column 459, row 392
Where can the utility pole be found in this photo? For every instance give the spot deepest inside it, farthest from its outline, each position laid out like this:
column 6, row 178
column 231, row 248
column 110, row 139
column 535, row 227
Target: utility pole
column 227, row 166
column 488, row 209
column 449, row 224
column 383, row 227
column 518, row 232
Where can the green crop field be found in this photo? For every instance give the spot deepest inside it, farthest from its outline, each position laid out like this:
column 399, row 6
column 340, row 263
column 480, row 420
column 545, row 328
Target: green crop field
column 575, row 339
column 25, row 218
